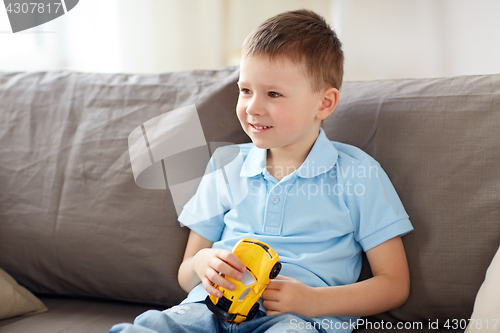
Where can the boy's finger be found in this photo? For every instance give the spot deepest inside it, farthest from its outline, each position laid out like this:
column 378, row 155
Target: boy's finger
column 220, row 266
column 270, row 295
column 273, row 285
column 211, row 289
column 220, row 280
column 271, row 307
column 232, row 260
column 270, row 313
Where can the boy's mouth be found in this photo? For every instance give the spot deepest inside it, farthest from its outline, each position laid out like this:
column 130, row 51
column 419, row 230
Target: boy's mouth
column 260, row 127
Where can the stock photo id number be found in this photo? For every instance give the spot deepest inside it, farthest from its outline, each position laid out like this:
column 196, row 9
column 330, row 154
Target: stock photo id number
column 24, row 15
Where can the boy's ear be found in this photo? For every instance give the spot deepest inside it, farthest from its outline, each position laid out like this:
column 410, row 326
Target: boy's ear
column 329, row 101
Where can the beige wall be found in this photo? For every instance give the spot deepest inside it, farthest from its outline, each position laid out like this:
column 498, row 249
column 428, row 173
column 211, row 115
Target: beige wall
column 242, row 18
column 424, row 38
column 382, row 38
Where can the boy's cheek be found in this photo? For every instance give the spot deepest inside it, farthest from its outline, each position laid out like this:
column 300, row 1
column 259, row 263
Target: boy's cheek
column 240, row 109
column 241, row 115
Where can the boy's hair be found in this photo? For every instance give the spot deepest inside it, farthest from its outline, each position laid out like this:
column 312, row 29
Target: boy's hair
column 301, row 36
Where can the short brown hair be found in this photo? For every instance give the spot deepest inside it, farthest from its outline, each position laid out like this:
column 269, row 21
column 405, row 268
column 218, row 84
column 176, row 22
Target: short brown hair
column 301, row 36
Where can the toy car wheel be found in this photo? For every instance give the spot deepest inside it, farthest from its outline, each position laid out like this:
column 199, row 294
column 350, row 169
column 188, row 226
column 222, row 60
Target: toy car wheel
column 275, row 270
column 253, row 311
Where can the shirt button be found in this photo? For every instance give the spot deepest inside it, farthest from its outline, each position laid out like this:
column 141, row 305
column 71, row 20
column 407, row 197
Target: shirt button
column 275, row 200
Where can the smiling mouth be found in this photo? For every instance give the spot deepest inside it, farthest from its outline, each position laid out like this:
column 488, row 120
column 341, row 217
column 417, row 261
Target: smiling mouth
column 260, row 127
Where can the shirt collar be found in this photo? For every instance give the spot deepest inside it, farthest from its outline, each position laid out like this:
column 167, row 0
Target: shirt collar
column 321, row 159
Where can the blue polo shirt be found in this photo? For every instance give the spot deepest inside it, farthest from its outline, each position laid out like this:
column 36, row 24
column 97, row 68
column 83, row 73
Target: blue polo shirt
column 319, row 218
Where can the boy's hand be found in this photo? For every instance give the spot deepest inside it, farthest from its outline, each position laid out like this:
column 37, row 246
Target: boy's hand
column 210, row 263
column 285, row 294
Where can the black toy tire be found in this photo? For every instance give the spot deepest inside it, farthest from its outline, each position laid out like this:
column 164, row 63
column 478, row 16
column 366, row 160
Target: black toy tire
column 253, row 311
column 218, row 311
column 275, row 270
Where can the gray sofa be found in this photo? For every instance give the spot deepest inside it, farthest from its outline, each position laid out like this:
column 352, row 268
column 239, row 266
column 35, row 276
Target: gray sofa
column 97, row 249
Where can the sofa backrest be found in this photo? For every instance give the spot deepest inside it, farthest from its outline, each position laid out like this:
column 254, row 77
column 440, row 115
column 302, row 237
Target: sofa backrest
column 439, row 142
column 73, row 221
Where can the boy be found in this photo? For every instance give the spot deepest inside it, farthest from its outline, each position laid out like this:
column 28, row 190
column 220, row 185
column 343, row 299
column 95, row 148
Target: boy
column 318, row 203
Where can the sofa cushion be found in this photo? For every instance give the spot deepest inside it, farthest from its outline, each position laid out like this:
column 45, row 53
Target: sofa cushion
column 439, row 142
column 72, row 219
column 16, row 300
column 75, row 316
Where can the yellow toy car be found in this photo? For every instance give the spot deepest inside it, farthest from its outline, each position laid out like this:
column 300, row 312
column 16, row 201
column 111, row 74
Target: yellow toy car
column 262, row 266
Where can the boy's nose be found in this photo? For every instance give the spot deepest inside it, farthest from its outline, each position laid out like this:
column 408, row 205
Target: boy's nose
column 254, row 108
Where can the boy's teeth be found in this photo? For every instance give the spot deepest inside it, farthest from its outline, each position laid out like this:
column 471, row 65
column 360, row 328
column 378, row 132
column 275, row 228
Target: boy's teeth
column 258, row 127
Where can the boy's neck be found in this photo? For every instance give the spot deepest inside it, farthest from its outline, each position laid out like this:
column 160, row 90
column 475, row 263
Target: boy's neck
column 282, row 161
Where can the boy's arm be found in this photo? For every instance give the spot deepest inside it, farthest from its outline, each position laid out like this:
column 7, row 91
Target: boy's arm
column 186, row 275
column 201, row 263
column 387, row 289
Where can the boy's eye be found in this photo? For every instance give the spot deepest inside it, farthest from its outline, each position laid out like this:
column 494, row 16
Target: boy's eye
column 274, row 94
column 245, row 91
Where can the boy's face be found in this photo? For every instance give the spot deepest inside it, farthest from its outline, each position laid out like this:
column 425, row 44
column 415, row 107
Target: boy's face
column 278, row 94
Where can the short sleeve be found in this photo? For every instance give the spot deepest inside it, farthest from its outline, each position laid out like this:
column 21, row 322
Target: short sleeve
column 204, row 212
column 376, row 210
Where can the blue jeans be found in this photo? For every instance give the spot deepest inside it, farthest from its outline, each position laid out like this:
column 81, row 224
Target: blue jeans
column 196, row 317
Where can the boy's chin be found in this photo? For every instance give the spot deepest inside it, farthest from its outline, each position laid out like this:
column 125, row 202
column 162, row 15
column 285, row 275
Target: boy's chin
column 260, row 145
